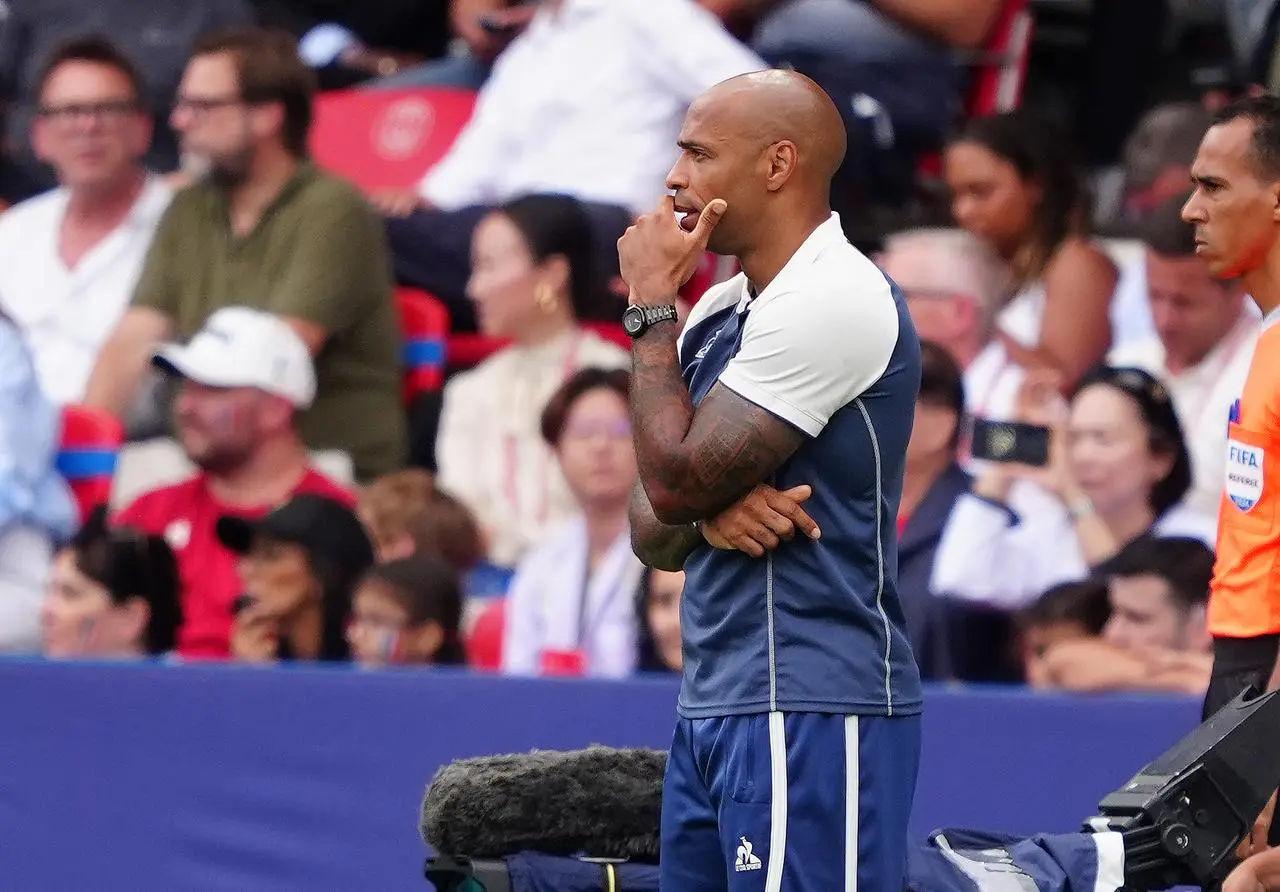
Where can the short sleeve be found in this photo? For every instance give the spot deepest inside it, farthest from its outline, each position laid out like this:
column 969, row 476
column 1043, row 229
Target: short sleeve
column 805, row 354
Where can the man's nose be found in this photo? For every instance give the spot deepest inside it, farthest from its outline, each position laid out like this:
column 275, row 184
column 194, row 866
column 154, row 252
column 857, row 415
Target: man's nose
column 676, row 178
column 1191, row 211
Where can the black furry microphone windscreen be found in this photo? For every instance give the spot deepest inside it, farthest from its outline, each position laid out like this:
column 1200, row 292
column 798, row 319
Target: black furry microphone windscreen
column 600, row 801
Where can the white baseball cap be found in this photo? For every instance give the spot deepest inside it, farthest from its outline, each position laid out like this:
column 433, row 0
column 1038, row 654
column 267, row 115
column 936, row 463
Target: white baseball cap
column 241, row 347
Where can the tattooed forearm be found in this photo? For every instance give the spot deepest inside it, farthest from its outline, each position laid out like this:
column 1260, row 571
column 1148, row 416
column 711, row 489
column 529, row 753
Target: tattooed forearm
column 695, row 464
column 659, row 545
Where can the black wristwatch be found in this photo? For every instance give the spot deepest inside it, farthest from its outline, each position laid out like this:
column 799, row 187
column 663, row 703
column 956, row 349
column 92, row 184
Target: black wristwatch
column 637, row 320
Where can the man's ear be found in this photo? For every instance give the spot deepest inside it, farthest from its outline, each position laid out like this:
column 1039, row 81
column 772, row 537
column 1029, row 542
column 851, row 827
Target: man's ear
column 781, row 158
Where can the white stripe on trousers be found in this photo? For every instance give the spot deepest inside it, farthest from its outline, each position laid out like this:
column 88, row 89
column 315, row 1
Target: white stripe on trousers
column 851, row 800
column 778, row 795
column 778, row 809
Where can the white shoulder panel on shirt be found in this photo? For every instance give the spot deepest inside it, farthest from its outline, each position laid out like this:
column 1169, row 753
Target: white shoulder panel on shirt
column 819, row 341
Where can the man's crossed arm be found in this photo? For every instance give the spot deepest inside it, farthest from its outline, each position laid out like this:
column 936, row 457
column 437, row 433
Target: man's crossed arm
column 694, row 464
column 710, row 464
column 756, row 523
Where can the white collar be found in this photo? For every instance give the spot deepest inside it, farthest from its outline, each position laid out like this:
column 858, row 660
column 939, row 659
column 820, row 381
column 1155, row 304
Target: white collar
column 827, row 233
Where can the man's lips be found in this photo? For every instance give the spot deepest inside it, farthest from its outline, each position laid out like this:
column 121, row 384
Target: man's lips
column 690, row 218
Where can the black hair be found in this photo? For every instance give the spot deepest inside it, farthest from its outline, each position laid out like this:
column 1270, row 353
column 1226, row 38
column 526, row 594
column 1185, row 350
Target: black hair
column 1183, row 563
column 1264, row 147
column 942, row 384
column 554, row 225
column 1080, row 601
column 1164, row 432
column 1041, row 153
column 131, row 564
column 556, row 414
column 647, row 657
column 428, row 589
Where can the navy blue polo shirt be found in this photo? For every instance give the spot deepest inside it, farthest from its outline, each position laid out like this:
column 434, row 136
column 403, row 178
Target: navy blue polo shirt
column 814, row 626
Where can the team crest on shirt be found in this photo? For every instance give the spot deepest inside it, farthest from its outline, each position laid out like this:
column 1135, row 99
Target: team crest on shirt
column 1244, row 474
column 702, row 351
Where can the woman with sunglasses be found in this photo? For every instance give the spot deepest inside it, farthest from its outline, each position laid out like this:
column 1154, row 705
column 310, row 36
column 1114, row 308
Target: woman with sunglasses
column 1117, row 468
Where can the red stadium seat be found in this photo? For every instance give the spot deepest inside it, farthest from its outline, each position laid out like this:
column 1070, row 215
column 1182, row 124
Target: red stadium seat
column 712, row 270
column 89, row 446
column 387, row 139
column 998, row 72
column 1000, row 69
column 424, row 322
column 467, row 349
column 484, row 645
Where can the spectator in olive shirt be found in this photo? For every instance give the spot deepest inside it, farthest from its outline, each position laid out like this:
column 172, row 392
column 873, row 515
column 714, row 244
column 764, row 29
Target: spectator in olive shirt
column 262, row 227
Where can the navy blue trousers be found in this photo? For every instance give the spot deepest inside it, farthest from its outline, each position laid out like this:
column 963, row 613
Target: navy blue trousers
column 788, row 802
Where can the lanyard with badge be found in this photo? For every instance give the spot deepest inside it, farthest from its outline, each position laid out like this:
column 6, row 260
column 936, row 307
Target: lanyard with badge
column 573, row 661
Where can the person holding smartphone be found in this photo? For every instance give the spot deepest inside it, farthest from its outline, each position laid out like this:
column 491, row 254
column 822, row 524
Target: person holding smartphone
column 1067, row 487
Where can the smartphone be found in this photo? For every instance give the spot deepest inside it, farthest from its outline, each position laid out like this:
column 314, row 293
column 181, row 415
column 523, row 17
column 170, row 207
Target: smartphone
column 1010, row 441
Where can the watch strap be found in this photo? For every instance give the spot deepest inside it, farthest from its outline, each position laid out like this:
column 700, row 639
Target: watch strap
column 654, row 315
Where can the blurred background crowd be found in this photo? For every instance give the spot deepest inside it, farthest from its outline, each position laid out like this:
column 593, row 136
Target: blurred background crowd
column 309, row 346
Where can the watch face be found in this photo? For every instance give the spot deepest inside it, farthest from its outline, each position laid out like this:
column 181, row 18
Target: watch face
column 633, row 320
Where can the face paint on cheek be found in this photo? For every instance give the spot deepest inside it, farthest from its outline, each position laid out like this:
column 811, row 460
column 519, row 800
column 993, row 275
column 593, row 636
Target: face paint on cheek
column 225, row 421
column 389, row 646
column 88, row 628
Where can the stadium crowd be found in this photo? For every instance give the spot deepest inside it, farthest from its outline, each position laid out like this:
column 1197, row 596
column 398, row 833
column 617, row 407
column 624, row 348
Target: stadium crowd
column 182, row 278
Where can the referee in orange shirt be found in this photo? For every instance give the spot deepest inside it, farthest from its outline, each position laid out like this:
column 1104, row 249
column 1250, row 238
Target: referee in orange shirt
column 1236, row 212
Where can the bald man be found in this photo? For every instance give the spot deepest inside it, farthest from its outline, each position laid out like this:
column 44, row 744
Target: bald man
column 771, row 435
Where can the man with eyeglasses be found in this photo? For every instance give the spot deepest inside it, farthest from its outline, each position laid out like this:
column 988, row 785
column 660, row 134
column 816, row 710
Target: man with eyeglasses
column 69, row 258
column 156, row 34
column 261, row 226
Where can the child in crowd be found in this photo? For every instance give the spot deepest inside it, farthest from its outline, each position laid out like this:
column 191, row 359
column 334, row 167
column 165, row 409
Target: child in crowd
column 1066, row 612
column 114, row 594
column 407, row 611
column 406, row 513
column 658, row 613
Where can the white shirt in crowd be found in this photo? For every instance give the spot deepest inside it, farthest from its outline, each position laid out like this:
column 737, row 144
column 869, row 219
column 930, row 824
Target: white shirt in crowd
column 991, row 384
column 588, row 102
column 551, row 606
column 1202, row 397
column 1131, row 320
column 1130, row 310
column 986, row 556
column 490, row 451
column 66, row 314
